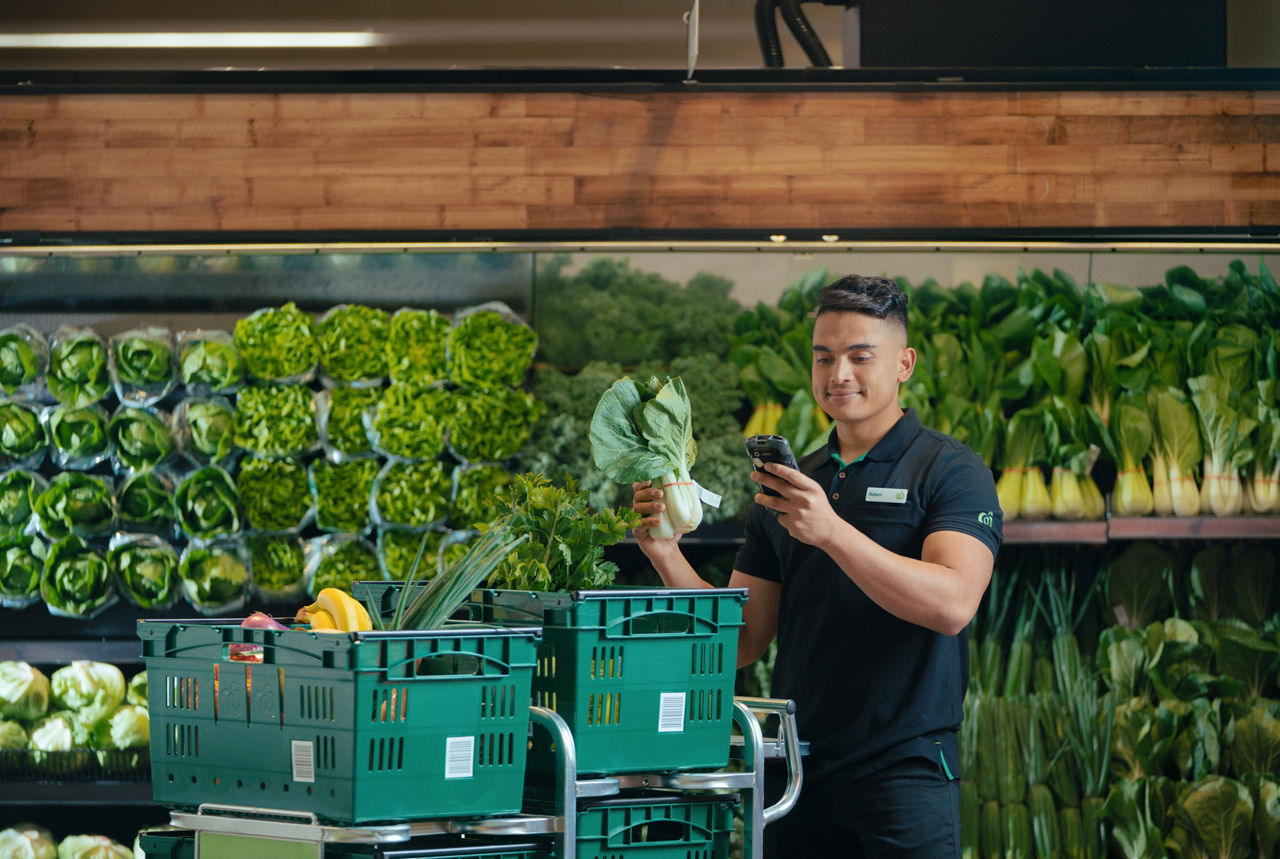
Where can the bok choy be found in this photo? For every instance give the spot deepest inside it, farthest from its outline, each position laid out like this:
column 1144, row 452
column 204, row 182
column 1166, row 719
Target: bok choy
column 1226, row 428
column 1132, row 430
column 1175, row 453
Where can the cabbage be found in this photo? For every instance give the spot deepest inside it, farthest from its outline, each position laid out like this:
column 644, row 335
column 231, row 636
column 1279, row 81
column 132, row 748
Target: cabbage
column 26, row 844
column 128, row 727
column 24, row 691
column 92, row 847
column 12, row 738
column 92, row 689
column 58, row 732
column 136, row 693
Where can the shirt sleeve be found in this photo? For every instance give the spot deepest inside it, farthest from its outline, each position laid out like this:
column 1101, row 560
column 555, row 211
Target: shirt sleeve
column 964, row 499
column 757, row 557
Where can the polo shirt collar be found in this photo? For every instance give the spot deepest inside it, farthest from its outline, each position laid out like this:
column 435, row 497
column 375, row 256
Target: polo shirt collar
column 887, row 448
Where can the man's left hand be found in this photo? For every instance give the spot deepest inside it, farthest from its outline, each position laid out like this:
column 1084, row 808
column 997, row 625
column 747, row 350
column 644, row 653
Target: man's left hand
column 801, row 504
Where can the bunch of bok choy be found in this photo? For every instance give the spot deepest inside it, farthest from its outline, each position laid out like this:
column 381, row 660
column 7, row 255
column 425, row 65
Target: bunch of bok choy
column 1131, row 428
column 1175, row 453
column 1021, row 489
column 1262, row 491
column 1226, row 428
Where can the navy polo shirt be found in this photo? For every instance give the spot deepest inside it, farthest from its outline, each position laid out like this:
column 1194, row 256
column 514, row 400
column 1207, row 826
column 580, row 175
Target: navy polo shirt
column 872, row 689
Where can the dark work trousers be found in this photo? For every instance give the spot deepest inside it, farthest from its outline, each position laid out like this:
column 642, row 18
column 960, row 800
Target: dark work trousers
column 908, row 810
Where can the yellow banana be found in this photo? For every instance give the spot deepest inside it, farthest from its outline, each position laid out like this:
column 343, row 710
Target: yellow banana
column 322, row 621
column 366, row 622
column 336, row 606
column 754, row 422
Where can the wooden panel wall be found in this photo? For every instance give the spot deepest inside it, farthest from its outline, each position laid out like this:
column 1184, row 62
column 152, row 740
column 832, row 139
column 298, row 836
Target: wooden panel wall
column 653, row 161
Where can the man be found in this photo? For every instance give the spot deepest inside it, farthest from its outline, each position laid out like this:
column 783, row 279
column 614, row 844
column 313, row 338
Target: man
column 868, row 566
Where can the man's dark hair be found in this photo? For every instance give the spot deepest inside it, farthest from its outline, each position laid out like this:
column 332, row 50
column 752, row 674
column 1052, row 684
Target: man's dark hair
column 875, row 296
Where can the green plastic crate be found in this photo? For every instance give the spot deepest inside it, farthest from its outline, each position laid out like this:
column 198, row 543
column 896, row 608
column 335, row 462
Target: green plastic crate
column 643, row 677
column 181, row 844
column 656, row 827
column 171, row 844
column 352, row 727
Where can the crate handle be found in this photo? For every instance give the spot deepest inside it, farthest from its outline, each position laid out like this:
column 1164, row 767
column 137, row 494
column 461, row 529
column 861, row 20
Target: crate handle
column 650, row 624
column 661, row 831
column 443, row 666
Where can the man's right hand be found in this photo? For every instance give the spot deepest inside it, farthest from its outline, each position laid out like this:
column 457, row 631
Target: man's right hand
column 646, row 499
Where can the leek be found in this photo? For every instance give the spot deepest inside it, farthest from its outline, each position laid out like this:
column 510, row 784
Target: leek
column 1175, row 453
column 1131, row 427
column 1226, row 429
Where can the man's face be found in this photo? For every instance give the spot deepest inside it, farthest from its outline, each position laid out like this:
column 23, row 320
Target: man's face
column 858, row 363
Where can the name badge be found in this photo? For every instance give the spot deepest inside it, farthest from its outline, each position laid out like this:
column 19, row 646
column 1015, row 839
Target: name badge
column 886, row 495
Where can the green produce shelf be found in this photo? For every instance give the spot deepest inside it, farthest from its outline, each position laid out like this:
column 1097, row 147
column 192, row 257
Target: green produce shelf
column 351, row 727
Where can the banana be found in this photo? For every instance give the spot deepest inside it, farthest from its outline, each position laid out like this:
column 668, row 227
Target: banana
column 335, row 609
column 366, row 622
column 322, row 621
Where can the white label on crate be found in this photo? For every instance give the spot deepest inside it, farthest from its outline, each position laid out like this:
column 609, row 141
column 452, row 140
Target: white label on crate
column 708, row 497
column 303, row 753
column 671, row 713
column 459, row 754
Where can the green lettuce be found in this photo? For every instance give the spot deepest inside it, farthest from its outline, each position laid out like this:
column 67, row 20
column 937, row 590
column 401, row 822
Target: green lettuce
column 344, row 429
column 146, row 571
column 22, row 436
column 79, row 434
column 277, row 562
column 275, row 420
column 277, row 343
column 274, row 493
column 491, row 425
column 398, row 549
column 136, row 691
column 27, row 843
column 143, row 359
column 213, row 363
column 342, row 492
column 146, row 501
column 75, row 503
column 90, row 689
column 352, row 340
column 21, row 564
column 478, row 498
column 208, row 504
column 486, row 349
column 410, row 421
column 92, row 847
column 52, row 737
column 416, row 346
column 24, row 691
column 1139, row 582
column 76, row 581
column 13, row 738
column 1213, row 817
column 140, row 438
column 19, row 361
column 214, row 578
column 415, row 494
column 18, row 490
column 77, row 368
column 343, row 562
column 210, row 429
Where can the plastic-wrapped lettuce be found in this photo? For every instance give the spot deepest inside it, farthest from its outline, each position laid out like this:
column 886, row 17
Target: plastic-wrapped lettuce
column 215, row 577
column 277, row 564
column 142, row 365
column 145, row 570
column 92, row 847
column 339, row 560
column 16, row 843
column 398, row 549
column 409, row 421
column 145, row 502
column 352, row 340
column 416, row 346
column 491, row 425
column 208, row 504
column 276, row 420
column 24, row 356
column 274, row 493
column 23, row 438
column 206, row 429
column 79, row 435
column 140, row 438
column 21, row 565
column 412, row 494
column 91, row 690
column 77, row 367
column 342, row 492
column 278, row 344
column 75, row 503
column 13, row 738
column 136, row 691
column 18, row 490
column 210, row 362
column 476, row 494
column 77, row 581
column 340, row 415
column 24, row 691
column 489, row 346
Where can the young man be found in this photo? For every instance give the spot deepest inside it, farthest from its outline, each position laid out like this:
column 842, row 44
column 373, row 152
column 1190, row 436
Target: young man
column 868, row 567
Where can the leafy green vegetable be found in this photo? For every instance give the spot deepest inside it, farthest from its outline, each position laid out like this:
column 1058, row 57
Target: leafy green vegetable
column 487, row 349
column 477, row 496
column 77, row 368
column 13, row 738
column 1138, row 584
column 207, row 504
column 646, row 433
column 146, row 571
column 274, row 493
column 22, row 436
column 275, row 420
column 92, row 690
column 21, row 564
column 75, row 503
column 1243, row 654
column 491, row 425
column 79, row 434
column 342, row 562
column 278, row 564
column 211, row 361
column 277, row 343
column 1131, row 427
column 140, row 438
column 565, row 549
column 410, row 421
column 1214, row 817
column 398, row 549
column 415, row 494
column 136, row 691
column 24, row 691
column 416, row 346
column 342, row 492
column 76, row 580
column 1175, row 453
column 143, row 359
column 352, row 341
column 57, row 733
column 1225, row 427
column 19, row 362
column 214, row 578
column 92, row 847
column 344, row 411
column 18, row 490
column 210, row 429
column 28, row 841
column 145, row 501
column 126, row 727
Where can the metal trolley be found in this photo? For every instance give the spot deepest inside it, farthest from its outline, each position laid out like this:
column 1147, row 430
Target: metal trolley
column 240, row 832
